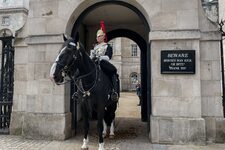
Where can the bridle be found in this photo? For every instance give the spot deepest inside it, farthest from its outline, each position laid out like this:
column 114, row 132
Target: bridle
column 76, row 78
column 65, row 68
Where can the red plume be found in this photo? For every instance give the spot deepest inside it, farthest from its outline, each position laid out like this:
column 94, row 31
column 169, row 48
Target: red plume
column 102, row 26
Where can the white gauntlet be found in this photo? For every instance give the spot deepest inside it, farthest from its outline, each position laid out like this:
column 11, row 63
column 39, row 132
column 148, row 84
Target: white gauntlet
column 92, row 54
column 105, row 57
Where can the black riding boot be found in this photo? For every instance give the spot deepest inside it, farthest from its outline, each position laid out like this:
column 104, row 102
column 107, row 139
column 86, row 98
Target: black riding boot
column 115, row 90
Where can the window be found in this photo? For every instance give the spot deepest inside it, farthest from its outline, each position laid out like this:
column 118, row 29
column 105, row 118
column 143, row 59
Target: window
column 211, row 9
column 5, row 21
column 5, row 1
column 133, row 50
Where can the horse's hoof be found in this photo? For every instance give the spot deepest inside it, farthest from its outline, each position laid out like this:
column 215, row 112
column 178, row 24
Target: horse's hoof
column 101, row 146
column 84, row 148
column 111, row 136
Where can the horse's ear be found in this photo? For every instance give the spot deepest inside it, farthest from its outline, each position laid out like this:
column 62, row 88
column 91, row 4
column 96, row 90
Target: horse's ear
column 64, row 37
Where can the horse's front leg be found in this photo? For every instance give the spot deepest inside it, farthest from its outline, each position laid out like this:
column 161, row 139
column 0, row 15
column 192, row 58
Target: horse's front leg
column 100, row 128
column 86, row 127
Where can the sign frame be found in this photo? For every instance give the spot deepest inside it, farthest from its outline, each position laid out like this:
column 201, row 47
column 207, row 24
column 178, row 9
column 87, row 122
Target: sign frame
column 178, row 62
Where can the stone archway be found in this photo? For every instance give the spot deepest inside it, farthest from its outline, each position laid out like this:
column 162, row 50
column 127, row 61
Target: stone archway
column 77, row 15
column 139, row 34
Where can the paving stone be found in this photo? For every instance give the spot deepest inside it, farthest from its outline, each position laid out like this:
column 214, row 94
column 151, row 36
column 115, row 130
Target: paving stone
column 9, row 142
column 130, row 134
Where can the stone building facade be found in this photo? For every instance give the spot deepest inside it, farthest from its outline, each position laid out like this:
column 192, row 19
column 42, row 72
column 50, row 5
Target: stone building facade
column 179, row 108
column 126, row 57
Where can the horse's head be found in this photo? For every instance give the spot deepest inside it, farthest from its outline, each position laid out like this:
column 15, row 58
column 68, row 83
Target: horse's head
column 65, row 62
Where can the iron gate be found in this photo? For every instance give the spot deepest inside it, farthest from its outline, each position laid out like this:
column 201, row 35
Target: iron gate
column 6, row 83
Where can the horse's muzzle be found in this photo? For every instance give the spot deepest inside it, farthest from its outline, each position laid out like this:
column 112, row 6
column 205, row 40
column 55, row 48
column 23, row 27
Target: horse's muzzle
column 56, row 79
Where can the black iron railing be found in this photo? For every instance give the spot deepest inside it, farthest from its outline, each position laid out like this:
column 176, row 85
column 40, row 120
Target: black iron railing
column 221, row 24
column 6, row 83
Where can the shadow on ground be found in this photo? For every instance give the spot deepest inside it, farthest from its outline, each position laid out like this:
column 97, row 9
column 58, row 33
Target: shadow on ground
column 125, row 129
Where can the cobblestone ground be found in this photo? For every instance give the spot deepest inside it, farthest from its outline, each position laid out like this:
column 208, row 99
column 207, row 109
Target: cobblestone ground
column 130, row 134
column 8, row 142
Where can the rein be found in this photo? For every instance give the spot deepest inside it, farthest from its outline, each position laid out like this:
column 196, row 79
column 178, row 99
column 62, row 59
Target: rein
column 85, row 75
column 78, row 82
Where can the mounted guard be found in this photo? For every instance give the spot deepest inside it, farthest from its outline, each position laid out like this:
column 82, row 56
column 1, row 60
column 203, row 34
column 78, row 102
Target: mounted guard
column 103, row 52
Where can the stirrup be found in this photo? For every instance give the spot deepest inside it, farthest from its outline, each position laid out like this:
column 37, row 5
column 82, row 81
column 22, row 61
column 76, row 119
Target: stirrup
column 114, row 96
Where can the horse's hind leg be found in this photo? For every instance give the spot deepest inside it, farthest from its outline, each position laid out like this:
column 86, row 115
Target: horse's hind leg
column 111, row 112
column 104, row 129
column 112, row 128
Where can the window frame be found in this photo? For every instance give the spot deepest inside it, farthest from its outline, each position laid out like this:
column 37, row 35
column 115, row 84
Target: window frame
column 134, row 50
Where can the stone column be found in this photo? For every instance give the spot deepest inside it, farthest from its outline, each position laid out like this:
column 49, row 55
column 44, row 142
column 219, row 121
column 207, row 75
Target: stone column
column 176, row 99
column 41, row 109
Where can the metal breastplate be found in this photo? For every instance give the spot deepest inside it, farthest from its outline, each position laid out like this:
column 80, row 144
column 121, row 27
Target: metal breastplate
column 100, row 49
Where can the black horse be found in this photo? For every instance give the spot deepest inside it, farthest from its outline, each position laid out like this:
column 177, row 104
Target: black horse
column 93, row 84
